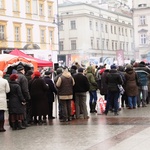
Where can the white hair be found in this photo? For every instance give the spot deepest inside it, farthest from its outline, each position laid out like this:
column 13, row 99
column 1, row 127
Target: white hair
column 1, row 73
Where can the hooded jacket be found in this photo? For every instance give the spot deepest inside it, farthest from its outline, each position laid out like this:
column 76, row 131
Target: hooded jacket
column 65, row 85
column 91, row 78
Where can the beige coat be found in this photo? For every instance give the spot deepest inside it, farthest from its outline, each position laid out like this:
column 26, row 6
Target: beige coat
column 4, row 88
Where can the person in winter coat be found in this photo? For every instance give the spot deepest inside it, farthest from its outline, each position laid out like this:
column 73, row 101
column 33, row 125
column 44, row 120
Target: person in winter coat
column 103, row 87
column 93, row 88
column 113, row 79
column 65, row 85
column 131, row 87
column 58, row 74
column 142, row 72
column 16, row 103
column 124, row 98
column 50, row 93
column 4, row 88
column 24, row 88
column 80, row 88
column 38, row 91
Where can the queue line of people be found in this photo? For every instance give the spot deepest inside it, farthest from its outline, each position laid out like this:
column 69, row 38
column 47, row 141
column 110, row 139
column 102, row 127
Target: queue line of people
column 31, row 97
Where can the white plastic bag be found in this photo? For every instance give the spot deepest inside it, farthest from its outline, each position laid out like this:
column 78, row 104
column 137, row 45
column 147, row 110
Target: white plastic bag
column 101, row 106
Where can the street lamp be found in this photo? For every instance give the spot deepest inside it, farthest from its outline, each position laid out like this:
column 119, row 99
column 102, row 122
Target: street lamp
column 59, row 23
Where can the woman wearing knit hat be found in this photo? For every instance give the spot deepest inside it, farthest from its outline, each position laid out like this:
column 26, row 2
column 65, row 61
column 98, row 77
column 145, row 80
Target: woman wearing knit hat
column 16, row 103
column 38, row 91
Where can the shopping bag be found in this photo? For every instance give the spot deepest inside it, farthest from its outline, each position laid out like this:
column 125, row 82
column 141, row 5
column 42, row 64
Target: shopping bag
column 101, row 106
column 73, row 109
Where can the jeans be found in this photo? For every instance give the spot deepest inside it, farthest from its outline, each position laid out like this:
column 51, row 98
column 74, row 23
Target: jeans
column 112, row 99
column 132, row 100
column 93, row 96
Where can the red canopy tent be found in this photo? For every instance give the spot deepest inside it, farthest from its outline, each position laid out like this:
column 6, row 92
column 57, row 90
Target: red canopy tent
column 40, row 63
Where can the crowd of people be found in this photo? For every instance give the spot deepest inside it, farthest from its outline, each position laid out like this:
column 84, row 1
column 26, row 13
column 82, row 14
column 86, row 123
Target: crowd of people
column 29, row 96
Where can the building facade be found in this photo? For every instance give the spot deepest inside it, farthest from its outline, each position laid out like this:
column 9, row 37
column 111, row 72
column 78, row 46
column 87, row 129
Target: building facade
column 28, row 24
column 141, row 15
column 91, row 32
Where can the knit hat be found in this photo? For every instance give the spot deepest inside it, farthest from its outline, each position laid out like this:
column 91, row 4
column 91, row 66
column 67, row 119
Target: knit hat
column 47, row 73
column 29, row 72
column 80, row 70
column 37, row 74
column 20, row 67
column 13, row 77
column 113, row 66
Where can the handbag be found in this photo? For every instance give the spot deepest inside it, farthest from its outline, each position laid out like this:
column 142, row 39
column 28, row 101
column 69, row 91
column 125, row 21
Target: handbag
column 121, row 89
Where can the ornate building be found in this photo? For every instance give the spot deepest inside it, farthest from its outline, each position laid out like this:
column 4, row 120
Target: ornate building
column 28, row 24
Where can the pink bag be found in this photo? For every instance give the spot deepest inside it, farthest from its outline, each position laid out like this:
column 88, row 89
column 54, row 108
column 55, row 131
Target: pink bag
column 101, row 106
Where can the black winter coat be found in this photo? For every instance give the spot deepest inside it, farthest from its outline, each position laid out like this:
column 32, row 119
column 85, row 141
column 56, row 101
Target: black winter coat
column 51, row 90
column 81, row 83
column 38, row 91
column 15, row 97
column 113, row 78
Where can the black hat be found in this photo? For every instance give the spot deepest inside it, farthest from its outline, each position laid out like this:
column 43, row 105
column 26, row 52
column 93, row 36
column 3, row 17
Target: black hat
column 20, row 67
column 113, row 66
column 80, row 70
column 47, row 73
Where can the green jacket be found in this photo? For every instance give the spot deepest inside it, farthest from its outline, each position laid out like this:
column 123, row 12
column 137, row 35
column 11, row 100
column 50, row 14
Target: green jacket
column 91, row 78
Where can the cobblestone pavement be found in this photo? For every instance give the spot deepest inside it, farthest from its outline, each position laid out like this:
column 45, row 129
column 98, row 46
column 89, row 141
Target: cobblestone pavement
column 129, row 130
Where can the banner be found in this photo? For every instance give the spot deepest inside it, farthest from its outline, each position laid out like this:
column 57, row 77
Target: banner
column 120, row 57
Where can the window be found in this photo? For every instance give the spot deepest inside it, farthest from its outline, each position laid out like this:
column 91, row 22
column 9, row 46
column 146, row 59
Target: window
column 29, row 34
column 127, row 46
column 131, row 33
column 111, row 28
column 92, row 43
column 114, row 29
column 123, row 46
column 97, row 43
column 142, row 5
column 61, row 45
column 17, row 36
column 142, row 20
column 1, row 4
column 102, row 27
column 107, row 44
column 28, row 6
column 41, row 9
column 49, row 11
column 116, row 45
column 42, row 33
column 142, row 39
column 73, row 24
column 106, row 30
column 126, row 32
column 2, row 32
column 51, row 37
column 112, row 45
column 73, row 44
column 90, row 23
column 119, row 31
column 122, row 31
column 96, row 24
column 103, row 43
column 16, row 5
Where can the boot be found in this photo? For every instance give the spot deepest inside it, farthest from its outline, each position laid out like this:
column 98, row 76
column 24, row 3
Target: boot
column 14, row 126
column 94, row 106
column 2, row 126
column 20, row 127
column 91, row 108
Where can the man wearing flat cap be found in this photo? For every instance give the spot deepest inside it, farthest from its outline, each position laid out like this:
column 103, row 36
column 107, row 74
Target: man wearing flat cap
column 50, row 93
column 24, row 87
